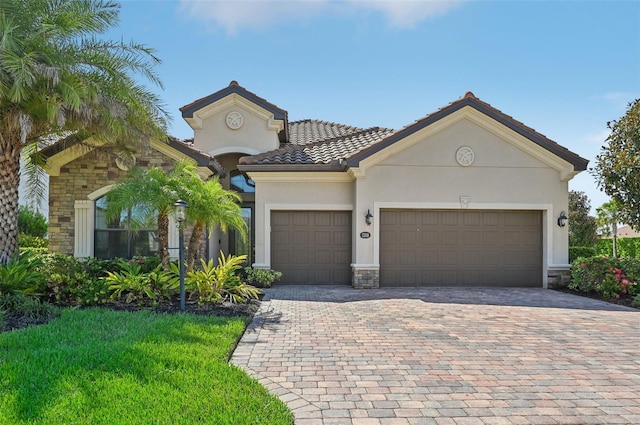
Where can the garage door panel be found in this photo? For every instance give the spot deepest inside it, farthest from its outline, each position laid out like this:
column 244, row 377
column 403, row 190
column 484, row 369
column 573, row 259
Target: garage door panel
column 311, row 247
column 461, row 248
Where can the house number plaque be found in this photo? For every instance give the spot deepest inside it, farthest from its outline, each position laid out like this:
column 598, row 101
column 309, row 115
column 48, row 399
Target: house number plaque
column 365, row 235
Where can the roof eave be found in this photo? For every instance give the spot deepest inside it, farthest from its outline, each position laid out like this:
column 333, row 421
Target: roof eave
column 579, row 163
column 333, row 166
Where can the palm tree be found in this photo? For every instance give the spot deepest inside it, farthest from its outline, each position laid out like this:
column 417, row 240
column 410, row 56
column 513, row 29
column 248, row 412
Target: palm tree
column 211, row 205
column 608, row 219
column 58, row 76
column 151, row 191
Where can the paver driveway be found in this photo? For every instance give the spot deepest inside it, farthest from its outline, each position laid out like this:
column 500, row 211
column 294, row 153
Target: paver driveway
column 337, row 355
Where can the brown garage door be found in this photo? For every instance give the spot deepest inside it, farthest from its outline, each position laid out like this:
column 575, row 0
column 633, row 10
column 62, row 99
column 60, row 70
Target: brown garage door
column 311, row 247
column 460, row 248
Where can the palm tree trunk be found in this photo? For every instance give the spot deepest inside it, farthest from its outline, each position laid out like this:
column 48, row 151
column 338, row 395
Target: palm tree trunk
column 163, row 239
column 9, row 183
column 194, row 244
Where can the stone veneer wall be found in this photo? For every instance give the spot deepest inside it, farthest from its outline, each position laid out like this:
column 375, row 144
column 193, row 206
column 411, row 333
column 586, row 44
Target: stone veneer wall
column 370, row 278
column 558, row 278
column 78, row 179
column 365, row 278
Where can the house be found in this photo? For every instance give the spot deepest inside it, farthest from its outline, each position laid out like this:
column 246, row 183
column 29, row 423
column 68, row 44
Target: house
column 466, row 196
column 627, row 232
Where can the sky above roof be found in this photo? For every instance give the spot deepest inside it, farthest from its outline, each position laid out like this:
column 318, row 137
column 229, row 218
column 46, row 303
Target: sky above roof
column 564, row 68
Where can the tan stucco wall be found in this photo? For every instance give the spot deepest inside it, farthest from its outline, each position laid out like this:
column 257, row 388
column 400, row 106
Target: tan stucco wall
column 78, row 179
column 426, row 175
column 216, row 137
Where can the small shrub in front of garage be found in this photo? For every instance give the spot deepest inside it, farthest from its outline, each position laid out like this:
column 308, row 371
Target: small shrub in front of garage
column 608, row 277
column 262, row 278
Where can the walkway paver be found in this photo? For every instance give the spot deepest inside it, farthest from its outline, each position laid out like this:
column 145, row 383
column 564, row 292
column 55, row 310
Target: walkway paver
column 444, row 356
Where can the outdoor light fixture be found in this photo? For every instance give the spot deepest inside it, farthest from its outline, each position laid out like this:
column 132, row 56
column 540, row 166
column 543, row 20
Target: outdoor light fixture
column 368, row 217
column 562, row 220
column 181, row 215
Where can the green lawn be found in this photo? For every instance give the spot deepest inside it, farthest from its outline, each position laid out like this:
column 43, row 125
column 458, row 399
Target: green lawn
column 99, row 366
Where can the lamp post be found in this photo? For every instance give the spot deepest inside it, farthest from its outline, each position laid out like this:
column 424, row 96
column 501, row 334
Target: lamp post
column 181, row 207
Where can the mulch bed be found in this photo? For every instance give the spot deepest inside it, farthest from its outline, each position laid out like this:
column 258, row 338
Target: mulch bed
column 626, row 301
column 225, row 309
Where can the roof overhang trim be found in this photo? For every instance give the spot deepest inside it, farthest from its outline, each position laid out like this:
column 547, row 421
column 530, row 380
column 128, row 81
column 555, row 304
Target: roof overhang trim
column 566, row 169
column 197, row 118
column 297, row 177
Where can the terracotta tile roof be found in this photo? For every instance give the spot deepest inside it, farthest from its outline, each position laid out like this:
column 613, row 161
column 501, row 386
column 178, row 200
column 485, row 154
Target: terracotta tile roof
column 310, row 131
column 319, row 152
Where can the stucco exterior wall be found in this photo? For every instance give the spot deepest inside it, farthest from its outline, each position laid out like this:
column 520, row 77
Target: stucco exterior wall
column 216, row 138
column 427, row 175
column 78, row 179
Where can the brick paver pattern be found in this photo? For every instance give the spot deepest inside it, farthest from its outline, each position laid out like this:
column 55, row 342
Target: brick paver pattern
column 444, row 356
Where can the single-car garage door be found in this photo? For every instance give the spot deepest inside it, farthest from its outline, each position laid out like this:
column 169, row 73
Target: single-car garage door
column 311, row 247
column 460, row 248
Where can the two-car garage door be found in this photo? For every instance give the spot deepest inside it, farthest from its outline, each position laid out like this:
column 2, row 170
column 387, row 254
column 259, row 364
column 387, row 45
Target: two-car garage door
column 460, row 248
column 417, row 247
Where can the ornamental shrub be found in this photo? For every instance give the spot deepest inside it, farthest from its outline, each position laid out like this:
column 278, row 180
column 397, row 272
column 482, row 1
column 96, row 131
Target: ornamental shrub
column 261, row 278
column 609, row 277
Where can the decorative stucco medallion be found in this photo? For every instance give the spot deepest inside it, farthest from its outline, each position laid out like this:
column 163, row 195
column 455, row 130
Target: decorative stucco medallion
column 234, row 120
column 465, row 156
column 125, row 161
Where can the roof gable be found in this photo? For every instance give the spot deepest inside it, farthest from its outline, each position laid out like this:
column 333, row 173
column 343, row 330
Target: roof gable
column 469, row 106
column 195, row 112
column 66, row 150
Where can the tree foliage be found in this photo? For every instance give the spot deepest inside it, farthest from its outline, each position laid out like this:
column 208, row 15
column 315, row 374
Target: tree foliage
column 608, row 220
column 582, row 226
column 154, row 192
column 31, row 222
column 60, row 75
column 617, row 168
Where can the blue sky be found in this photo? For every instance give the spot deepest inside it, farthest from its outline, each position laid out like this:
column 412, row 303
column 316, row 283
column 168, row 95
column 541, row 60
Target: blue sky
column 564, row 68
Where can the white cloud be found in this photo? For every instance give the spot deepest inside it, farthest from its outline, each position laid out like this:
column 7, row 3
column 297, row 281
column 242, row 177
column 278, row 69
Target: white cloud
column 407, row 13
column 233, row 16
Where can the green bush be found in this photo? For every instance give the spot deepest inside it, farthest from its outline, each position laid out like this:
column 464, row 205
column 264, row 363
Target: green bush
column 211, row 283
column 261, row 278
column 73, row 281
column 24, row 274
column 609, row 277
column 581, row 251
column 627, row 247
column 131, row 283
column 26, row 240
column 31, row 222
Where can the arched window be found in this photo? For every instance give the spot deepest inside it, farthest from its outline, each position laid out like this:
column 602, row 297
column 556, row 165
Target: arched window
column 131, row 234
column 241, row 183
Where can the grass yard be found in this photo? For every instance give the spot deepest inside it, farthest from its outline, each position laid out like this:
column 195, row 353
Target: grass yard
column 98, row 366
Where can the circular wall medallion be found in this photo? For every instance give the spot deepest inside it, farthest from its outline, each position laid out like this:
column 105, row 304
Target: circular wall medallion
column 465, row 156
column 125, row 161
column 234, row 120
